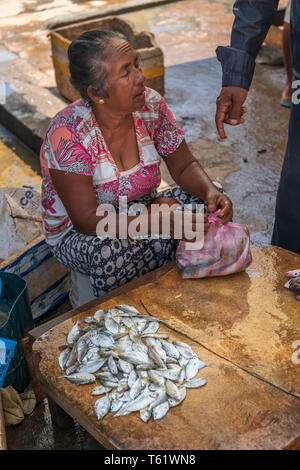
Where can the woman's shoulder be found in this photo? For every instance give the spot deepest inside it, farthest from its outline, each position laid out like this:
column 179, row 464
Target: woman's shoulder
column 71, row 117
column 152, row 97
column 153, row 104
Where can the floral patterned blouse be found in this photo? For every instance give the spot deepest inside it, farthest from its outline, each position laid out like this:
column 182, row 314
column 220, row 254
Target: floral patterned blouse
column 74, row 143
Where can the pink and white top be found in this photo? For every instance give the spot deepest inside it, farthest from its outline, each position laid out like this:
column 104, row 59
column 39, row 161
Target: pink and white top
column 74, row 143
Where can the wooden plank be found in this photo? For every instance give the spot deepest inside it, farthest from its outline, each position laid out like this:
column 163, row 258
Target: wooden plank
column 248, row 318
column 234, row 410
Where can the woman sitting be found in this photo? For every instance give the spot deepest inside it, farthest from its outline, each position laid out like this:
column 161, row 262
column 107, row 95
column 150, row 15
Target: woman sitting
column 107, row 145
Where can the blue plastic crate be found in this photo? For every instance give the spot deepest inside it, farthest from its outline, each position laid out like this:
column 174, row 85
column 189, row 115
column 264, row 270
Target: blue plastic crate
column 7, row 349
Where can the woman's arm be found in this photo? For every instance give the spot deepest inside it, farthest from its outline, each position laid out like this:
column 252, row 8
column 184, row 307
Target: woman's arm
column 190, row 176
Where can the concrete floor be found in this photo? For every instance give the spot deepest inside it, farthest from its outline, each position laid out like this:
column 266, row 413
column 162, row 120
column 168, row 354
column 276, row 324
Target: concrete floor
column 247, row 163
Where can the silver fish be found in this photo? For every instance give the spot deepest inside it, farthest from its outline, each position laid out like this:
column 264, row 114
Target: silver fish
column 132, row 378
column 192, row 368
column 90, row 320
column 116, row 405
column 99, row 390
column 170, row 349
column 63, row 358
column 135, row 357
column 127, row 308
column 172, row 390
column 111, row 325
column 107, row 376
column 151, row 328
column 141, row 402
column 198, row 382
column 155, row 357
column 72, row 356
column 80, row 379
column 72, row 369
column 155, row 335
column 74, row 333
column 91, row 366
column 159, row 396
column 161, row 410
column 103, row 340
column 174, row 402
column 125, row 366
column 136, row 388
column 102, row 407
column 168, row 374
column 156, row 378
column 99, row 315
column 145, row 414
column 112, row 366
column 82, row 348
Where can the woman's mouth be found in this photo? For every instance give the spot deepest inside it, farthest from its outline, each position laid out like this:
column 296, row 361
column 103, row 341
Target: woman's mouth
column 141, row 94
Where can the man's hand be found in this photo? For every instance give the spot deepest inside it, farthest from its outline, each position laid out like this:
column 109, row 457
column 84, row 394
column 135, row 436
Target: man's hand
column 230, row 107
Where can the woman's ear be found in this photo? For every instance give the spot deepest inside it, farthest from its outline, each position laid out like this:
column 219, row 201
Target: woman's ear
column 91, row 92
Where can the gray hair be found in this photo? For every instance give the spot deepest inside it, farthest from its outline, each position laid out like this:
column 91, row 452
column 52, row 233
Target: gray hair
column 88, row 56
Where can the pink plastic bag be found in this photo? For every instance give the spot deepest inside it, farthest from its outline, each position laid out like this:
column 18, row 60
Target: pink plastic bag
column 226, row 250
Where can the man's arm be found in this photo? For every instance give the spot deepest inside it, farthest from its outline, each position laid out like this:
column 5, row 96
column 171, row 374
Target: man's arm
column 253, row 19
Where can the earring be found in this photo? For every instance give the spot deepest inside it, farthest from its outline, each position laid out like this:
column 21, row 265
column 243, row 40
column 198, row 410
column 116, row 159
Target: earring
column 101, row 101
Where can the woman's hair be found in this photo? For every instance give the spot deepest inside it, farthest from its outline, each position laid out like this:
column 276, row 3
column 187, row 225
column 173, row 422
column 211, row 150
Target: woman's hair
column 88, row 56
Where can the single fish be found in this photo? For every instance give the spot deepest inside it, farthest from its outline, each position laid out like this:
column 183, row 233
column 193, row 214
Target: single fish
column 107, row 376
column 111, row 325
column 141, row 402
column 170, row 349
column 135, row 357
column 99, row 315
column 136, row 388
column 112, row 366
column 127, row 308
column 74, row 333
column 153, row 354
column 199, row 382
column 72, row 356
column 132, row 378
column 156, row 378
column 102, row 340
column 63, row 358
column 172, row 390
column 145, row 414
column 192, row 368
column 182, row 393
column 102, row 407
column 81, row 378
column 151, row 328
column 161, row 410
column 99, row 390
column 82, row 349
column 91, row 366
column 125, row 366
column 72, row 369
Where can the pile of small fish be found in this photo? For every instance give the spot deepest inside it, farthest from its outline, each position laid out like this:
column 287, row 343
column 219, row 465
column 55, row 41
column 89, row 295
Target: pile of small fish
column 138, row 369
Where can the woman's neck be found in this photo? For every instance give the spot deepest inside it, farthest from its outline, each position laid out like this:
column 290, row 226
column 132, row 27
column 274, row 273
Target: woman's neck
column 111, row 121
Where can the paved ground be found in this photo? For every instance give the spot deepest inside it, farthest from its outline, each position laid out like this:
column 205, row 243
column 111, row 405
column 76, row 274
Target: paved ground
column 248, row 163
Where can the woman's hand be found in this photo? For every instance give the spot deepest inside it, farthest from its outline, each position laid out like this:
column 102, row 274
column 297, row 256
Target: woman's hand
column 192, row 222
column 216, row 200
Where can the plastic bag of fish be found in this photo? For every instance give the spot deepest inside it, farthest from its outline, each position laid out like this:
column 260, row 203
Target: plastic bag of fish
column 134, row 366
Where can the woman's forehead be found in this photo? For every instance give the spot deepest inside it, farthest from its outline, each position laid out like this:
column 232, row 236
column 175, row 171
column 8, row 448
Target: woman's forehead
column 121, row 48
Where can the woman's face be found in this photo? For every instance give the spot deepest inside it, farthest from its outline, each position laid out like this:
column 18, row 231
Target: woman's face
column 125, row 79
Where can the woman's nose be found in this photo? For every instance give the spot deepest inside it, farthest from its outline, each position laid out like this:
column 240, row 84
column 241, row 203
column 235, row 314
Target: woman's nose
column 140, row 77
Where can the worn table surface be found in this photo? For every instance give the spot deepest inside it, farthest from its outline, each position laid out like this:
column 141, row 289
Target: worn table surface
column 235, row 409
column 249, row 318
